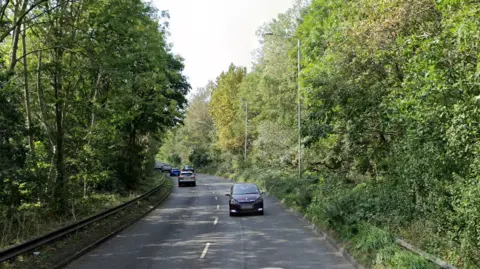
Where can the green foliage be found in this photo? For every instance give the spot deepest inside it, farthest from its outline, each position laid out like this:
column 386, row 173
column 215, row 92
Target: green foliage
column 367, row 240
column 390, row 96
column 199, row 158
column 393, row 257
column 175, row 159
column 190, row 143
column 103, row 89
column 392, row 116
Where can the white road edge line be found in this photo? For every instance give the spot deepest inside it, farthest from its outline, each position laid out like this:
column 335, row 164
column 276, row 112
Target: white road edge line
column 218, row 207
column 205, row 251
column 215, row 221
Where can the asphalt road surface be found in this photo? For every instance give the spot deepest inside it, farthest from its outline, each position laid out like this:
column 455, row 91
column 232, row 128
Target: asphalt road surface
column 192, row 229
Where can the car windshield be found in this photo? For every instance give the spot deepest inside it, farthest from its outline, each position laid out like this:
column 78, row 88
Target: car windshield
column 245, row 189
column 186, row 174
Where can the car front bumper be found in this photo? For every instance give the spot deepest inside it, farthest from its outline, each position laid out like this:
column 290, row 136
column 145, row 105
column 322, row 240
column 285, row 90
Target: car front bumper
column 246, row 208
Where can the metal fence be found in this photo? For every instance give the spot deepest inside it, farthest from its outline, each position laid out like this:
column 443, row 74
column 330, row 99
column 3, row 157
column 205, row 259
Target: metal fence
column 29, row 245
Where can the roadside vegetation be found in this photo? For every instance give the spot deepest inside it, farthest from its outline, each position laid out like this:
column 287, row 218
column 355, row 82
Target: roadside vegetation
column 87, row 90
column 390, row 137
column 62, row 251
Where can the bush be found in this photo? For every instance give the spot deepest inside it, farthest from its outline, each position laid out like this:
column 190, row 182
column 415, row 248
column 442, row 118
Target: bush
column 199, row 157
column 344, row 207
column 393, row 257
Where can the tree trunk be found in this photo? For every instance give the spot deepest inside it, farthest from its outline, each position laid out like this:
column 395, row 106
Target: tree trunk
column 40, row 97
column 94, row 99
column 3, row 9
column 84, row 187
column 27, row 94
column 13, row 54
column 59, row 28
column 41, row 102
column 59, row 133
column 133, row 161
column 16, row 34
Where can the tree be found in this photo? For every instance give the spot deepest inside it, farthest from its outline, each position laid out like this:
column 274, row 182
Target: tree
column 390, row 97
column 390, row 108
column 97, row 88
column 191, row 142
column 224, row 106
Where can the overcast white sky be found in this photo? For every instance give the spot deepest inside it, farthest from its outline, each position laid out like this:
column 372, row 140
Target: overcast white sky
column 211, row 34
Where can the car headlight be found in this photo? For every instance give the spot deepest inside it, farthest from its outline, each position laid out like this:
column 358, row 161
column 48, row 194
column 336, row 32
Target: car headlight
column 234, row 202
column 259, row 200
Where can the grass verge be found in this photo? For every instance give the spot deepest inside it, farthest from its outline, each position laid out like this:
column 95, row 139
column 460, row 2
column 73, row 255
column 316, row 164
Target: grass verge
column 370, row 246
column 34, row 220
column 49, row 256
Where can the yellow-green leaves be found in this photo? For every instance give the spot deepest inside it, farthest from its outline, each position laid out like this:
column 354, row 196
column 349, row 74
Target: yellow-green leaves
column 224, row 106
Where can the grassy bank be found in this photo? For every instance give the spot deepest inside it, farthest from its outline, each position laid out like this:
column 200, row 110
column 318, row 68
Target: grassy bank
column 325, row 204
column 30, row 222
column 48, row 256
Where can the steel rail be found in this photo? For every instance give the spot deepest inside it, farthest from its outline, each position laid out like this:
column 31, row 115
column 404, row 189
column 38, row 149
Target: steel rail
column 29, row 245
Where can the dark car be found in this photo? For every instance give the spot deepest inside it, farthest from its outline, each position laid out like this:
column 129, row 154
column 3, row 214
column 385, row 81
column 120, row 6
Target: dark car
column 175, row 172
column 188, row 168
column 158, row 165
column 245, row 198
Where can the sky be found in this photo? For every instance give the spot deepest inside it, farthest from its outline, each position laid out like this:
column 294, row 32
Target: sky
column 211, row 34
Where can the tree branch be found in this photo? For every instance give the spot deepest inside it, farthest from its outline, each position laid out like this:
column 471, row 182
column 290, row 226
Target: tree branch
column 20, row 18
column 16, row 36
column 2, row 13
column 38, row 50
column 33, row 51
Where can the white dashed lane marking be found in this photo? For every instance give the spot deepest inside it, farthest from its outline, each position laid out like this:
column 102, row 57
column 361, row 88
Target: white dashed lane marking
column 205, row 251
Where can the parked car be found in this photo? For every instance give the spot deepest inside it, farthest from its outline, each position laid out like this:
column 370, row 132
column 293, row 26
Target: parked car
column 166, row 168
column 158, row 165
column 175, row 172
column 188, row 168
column 245, row 198
column 187, row 178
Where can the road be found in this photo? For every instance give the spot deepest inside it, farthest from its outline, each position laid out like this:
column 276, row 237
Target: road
column 192, row 229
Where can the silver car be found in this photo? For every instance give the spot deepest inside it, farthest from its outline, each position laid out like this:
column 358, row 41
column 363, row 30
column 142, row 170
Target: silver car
column 187, row 178
column 166, row 168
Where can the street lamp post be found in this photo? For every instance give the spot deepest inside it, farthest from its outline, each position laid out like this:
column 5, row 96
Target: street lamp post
column 298, row 114
column 246, row 129
column 298, row 106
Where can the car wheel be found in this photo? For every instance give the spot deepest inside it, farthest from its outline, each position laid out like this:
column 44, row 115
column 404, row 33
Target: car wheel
column 232, row 214
column 180, row 185
column 194, row 184
column 261, row 213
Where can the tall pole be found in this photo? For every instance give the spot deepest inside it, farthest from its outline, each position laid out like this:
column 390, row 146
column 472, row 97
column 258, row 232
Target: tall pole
column 298, row 108
column 299, row 123
column 246, row 129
